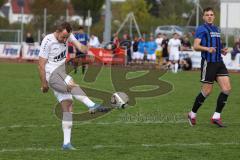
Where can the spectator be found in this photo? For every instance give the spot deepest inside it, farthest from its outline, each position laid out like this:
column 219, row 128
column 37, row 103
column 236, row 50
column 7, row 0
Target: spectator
column 186, row 44
column 93, row 41
column 173, row 48
column 135, row 56
column 186, row 63
column 235, row 51
column 159, row 49
column 115, row 40
column 151, row 47
column 29, row 38
column 141, row 49
column 127, row 44
column 165, row 54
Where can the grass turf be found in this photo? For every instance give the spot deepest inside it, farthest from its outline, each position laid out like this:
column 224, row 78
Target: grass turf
column 155, row 128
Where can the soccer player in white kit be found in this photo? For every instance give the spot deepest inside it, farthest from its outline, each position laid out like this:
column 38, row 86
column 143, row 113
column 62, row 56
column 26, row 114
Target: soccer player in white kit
column 52, row 72
column 173, row 49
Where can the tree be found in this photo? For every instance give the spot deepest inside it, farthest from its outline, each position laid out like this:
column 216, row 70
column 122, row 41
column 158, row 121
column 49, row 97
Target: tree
column 154, row 7
column 175, row 12
column 215, row 4
column 140, row 10
column 1, row 2
column 56, row 11
column 81, row 7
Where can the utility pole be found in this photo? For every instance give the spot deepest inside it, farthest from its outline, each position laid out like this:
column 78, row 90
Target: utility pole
column 89, row 22
column 107, row 26
column 226, row 30
column 197, row 12
column 21, row 5
column 22, row 26
column 45, row 21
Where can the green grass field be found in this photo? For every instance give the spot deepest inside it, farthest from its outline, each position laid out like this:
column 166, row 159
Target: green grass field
column 154, row 129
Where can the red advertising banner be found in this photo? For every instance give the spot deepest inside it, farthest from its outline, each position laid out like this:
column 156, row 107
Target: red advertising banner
column 101, row 55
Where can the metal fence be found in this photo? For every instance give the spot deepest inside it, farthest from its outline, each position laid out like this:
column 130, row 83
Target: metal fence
column 10, row 35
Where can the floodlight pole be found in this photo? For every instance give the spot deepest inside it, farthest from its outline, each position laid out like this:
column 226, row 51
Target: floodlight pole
column 88, row 17
column 107, row 26
column 45, row 21
column 67, row 15
column 22, row 29
column 197, row 13
column 226, row 30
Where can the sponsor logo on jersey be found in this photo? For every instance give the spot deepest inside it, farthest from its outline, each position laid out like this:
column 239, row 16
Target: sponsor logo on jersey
column 60, row 57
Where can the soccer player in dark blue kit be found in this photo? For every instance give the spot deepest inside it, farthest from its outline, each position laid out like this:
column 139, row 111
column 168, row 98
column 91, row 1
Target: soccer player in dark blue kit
column 208, row 41
column 83, row 38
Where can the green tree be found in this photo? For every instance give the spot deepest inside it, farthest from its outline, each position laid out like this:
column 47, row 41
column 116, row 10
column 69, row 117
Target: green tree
column 1, row 2
column 140, row 10
column 154, row 7
column 81, row 7
column 56, row 11
column 175, row 12
column 215, row 4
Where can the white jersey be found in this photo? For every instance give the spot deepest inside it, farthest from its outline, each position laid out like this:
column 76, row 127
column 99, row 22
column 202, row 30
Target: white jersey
column 54, row 52
column 159, row 43
column 174, row 45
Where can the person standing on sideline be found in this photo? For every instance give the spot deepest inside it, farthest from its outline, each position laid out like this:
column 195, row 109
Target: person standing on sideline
column 159, row 49
column 83, row 38
column 173, row 49
column 29, row 38
column 151, row 47
column 208, row 41
column 52, row 59
column 93, row 41
column 164, row 45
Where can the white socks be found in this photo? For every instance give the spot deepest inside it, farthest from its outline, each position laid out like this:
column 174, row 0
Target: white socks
column 85, row 100
column 193, row 115
column 216, row 115
column 67, row 127
column 175, row 67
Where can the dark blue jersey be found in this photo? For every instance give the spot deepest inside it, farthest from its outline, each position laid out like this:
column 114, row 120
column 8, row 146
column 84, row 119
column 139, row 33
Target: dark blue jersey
column 82, row 38
column 210, row 37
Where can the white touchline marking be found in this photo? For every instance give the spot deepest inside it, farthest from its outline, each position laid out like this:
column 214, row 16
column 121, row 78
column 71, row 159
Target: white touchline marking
column 123, row 146
column 99, row 123
column 87, row 123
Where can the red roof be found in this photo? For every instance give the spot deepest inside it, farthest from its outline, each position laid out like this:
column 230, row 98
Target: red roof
column 17, row 9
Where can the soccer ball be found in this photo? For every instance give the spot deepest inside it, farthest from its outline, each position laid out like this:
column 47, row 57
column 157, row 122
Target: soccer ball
column 119, row 100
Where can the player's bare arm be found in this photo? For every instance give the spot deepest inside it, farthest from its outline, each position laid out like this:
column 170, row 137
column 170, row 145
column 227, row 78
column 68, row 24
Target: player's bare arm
column 198, row 47
column 80, row 47
column 168, row 49
column 41, row 67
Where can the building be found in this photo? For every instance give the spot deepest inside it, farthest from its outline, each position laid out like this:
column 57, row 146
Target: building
column 230, row 13
column 17, row 11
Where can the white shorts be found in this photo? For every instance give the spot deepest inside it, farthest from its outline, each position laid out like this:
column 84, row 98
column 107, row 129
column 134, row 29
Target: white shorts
column 135, row 55
column 140, row 55
column 174, row 56
column 62, row 96
column 151, row 57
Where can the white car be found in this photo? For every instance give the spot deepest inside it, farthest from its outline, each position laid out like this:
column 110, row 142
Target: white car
column 169, row 30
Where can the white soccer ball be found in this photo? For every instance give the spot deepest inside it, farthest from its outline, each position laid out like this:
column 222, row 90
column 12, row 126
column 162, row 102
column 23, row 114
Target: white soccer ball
column 119, row 100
